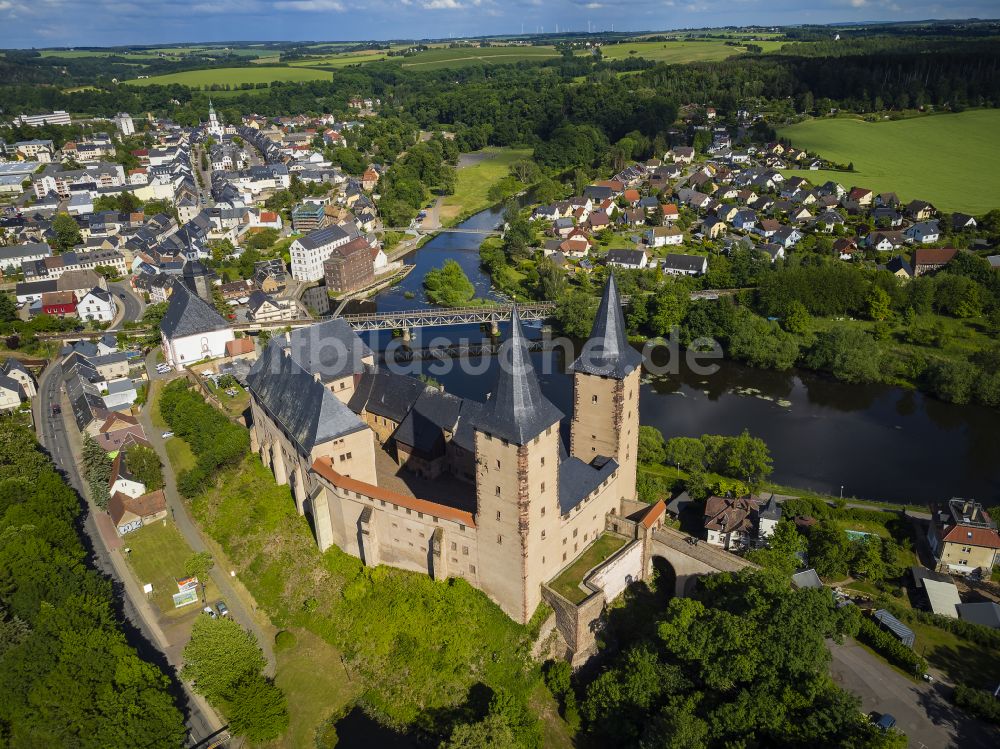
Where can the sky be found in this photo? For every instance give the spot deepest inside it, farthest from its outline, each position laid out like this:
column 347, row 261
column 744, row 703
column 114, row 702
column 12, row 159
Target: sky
column 47, row 23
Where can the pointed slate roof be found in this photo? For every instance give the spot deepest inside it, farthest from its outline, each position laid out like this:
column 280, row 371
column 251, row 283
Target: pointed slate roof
column 188, row 314
column 607, row 353
column 517, row 411
column 310, row 413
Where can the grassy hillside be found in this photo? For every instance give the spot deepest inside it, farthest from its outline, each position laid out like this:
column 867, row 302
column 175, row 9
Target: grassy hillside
column 235, row 76
column 485, row 168
column 949, row 159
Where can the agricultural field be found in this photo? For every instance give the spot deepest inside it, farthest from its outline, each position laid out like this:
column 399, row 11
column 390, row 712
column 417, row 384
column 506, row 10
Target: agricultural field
column 234, row 76
column 675, row 53
column 342, row 59
column 950, row 160
column 446, row 57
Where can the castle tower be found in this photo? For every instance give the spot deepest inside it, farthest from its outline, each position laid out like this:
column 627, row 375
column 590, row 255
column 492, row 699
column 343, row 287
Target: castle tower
column 606, row 393
column 517, row 476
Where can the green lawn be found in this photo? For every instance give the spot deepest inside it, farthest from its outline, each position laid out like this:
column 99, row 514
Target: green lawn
column 180, row 455
column 445, row 57
column 950, row 160
column 235, row 406
column 153, row 404
column 961, row 660
column 313, row 679
column 342, row 60
column 674, row 52
column 234, row 76
column 567, row 584
column 158, row 555
column 474, row 181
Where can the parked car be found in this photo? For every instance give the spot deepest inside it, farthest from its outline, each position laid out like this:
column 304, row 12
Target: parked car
column 885, row 722
column 167, row 435
column 222, row 608
column 208, row 610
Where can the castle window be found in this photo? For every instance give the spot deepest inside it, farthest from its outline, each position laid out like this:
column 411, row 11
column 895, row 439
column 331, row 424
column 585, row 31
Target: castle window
column 454, row 546
column 575, row 531
column 593, row 399
column 498, row 514
column 543, row 460
column 543, row 511
column 461, row 527
column 498, row 491
column 564, row 556
column 498, row 465
column 543, row 486
column 543, row 535
column 381, row 503
column 420, row 515
column 472, row 569
column 408, row 511
column 499, row 539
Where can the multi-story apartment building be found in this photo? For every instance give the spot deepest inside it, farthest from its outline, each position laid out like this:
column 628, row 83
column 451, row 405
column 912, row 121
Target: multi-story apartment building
column 311, row 251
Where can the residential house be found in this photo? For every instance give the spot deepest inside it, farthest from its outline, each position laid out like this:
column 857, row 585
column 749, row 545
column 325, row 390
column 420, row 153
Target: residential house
column 663, row 236
column 845, row 248
column 735, row 523
column 131, row 513
column 919, row 210
column 681, row 154
column 14, row 256
column 12, row 395
column 264, row 308
column 714, row 228
column 676, row 264
column 122, row 480
column 627, row 259
column 861, row 196
column 928, row 260
column 923, row 232
column 962, row 222
column 900, row 267
column 767, row 227
column 117, row 429
column 15, row 370
column 311, row 251
column 58, row 303
column 98, row 305
column 885, row 241
column 963, row 537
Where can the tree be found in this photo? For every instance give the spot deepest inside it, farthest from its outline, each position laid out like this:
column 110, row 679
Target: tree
column 508, row 724
column 849, row 354
column 257, row 709
column 879, row 304
column 219, row 655
column 198, row 565
column 829, row 550
column 797, row 319
column 687, row 453
column 783, row 547
column 748, row 458
column 868, row 562
column 96, row 470
column 144, row 464
column 448, row 285
column 574, row 314
column 652, row 448
column 67, row 232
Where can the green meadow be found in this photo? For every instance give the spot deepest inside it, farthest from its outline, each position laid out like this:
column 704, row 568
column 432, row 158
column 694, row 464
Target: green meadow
column 676, row 53
column 234, row 76
column 950, row 160
column 447, row 57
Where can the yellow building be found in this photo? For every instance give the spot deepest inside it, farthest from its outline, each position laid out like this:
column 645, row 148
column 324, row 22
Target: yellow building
column 963, row 537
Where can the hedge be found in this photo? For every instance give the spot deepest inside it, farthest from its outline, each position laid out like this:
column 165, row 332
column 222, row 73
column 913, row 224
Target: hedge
column 979, row 703
column 886, row 644
column 214, row 439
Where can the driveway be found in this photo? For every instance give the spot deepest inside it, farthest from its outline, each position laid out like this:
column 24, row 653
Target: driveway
column 922, row 710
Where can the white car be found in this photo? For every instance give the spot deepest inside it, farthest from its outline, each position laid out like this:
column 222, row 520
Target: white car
column 167, row 435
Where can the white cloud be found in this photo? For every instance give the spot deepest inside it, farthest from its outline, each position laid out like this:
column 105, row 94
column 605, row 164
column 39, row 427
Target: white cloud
column 311, row 6
column 443, row 5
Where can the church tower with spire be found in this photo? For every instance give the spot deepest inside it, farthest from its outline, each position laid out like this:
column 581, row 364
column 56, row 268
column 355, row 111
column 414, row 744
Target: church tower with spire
column 214, row 127
column 517, row 483
column 606, row 394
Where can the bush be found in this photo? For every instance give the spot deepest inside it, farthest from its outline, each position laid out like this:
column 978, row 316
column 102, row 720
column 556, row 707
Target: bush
column 886, row 645
column 284, row 640
column 979, row 703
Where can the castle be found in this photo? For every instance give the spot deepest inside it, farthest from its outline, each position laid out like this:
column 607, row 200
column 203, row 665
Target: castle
column 397, row 472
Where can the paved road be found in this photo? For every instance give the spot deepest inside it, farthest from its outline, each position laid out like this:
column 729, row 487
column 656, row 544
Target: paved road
column 141, row 628
column 133, row 304
column 240, row 609
column 922, row 711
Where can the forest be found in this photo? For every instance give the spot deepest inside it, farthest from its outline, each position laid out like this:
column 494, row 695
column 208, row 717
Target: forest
column 68, row 674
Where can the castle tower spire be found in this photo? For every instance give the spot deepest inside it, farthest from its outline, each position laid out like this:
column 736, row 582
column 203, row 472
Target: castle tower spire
column 607, row 353
column 517, row 411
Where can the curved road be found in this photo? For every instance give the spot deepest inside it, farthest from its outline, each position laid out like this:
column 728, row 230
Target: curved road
column 127, row 298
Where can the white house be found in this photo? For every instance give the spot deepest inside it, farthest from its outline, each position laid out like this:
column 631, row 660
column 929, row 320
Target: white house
column 310, row 252
column 661, row 236
column 923, row 232
column 627, row 259
column 191, row 330
column 685, row 265
column 97, row 304
column 12, row 256
column 12, row 395
column 13, row 369
column 122, row 479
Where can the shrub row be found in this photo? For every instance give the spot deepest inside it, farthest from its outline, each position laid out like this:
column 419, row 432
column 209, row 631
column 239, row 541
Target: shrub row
column 890, row 648
column 979, row 703
column 214, row 439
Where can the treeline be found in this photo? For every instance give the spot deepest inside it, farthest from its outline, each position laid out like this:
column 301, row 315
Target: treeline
column 67, row 674
column 714, row 670
column 215, row 440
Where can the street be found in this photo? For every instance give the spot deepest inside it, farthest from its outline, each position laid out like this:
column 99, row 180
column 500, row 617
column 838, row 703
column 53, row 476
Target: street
column 922, row 711
column 140, row 626
column 126, row 297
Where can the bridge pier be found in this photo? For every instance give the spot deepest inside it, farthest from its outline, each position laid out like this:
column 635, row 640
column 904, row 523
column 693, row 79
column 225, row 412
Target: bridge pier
column 407, row 335
column 494, row 329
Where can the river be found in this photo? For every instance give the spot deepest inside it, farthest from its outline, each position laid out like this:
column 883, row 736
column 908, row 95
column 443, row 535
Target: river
column 876, row 442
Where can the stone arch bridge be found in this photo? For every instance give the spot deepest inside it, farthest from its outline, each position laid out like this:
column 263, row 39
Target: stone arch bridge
column 690, row 558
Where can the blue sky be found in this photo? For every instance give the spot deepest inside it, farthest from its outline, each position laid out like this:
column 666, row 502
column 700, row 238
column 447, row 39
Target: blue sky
column 41, row 23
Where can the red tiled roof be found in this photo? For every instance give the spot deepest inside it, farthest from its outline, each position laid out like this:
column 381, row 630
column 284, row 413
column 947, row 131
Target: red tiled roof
column 324, row 468
column 125, row 419
column 933, row 256
column 655, row 513
column 724, row 513
column 148, row 504
column 239, row 346
column 963, row 534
